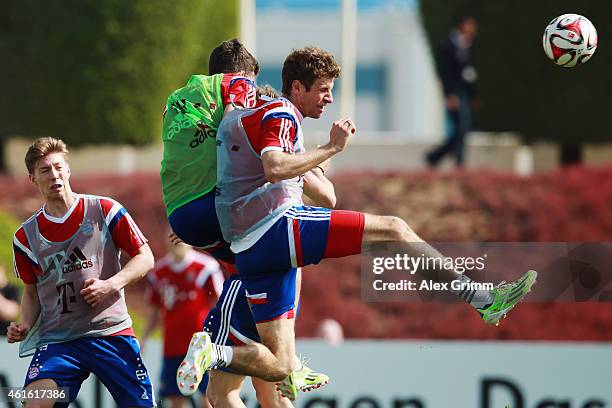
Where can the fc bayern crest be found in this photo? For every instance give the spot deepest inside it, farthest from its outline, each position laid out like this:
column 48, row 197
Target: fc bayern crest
column 33, row 373
column 88, row 228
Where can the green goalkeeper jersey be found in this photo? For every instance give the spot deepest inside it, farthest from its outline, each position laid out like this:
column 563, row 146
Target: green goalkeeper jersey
column 191, row 118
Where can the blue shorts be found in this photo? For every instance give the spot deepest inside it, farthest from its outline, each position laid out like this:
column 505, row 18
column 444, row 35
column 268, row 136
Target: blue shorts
column 303, row 236
column 230, row 322
column 196, row 223
column 167, row 384
column 115, row 360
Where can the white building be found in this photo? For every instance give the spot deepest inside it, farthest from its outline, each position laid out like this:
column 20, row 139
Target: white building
column 398, row 96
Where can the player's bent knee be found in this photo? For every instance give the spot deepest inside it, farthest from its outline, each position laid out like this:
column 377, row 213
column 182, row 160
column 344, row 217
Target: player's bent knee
column 38, row 404
column 283, row 371
column 278, row 336
column 284, row 367
column 44, row 384
column 277, row 373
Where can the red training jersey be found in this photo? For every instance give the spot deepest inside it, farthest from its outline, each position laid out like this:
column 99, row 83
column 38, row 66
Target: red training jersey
column 184, row 291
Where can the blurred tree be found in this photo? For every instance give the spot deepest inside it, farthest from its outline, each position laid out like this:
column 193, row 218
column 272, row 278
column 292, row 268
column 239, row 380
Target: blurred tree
column 2, row 152
column 8, row 226
column 521, row 89
column 99, row 71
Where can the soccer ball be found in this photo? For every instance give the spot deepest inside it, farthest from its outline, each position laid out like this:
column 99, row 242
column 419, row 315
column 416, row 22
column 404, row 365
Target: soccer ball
column 569, row 40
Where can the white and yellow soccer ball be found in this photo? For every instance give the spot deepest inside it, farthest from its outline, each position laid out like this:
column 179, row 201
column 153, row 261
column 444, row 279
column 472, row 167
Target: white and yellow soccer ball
column 570, row 40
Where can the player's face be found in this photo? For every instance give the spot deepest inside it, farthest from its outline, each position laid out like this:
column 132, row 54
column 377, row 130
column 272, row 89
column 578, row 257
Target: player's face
column 469, row 28
column 51, row 175
column 179, row 250
column 312, row 102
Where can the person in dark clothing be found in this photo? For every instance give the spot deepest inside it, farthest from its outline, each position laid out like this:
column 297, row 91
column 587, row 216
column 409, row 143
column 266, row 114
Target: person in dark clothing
column 458, row 77
column 9, row 302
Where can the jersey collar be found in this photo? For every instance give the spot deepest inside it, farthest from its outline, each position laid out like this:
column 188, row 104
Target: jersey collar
column 62, row 219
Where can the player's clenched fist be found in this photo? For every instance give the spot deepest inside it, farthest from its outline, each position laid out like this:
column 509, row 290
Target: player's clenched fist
column 340, row 132
column 96, row 290
column 16, row 332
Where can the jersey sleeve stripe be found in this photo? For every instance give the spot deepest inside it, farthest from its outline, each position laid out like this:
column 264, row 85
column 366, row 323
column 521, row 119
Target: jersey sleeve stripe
column 135, row 228
column 18, row 246
column 116, row 217
column 287, row 136
column 210, row 268
column 15, row 268
column 203, row 276
column 280, row 113
column 287, row 119
column 281, row 134
column 245, row 79
column 113, row 212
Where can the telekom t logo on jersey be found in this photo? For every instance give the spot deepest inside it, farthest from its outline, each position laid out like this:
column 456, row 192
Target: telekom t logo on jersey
column 64, row 265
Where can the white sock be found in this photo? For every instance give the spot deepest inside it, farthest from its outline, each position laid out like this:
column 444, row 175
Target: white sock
column 229, row 355
column 222, row 356
column 478, row 298
column 298, row 364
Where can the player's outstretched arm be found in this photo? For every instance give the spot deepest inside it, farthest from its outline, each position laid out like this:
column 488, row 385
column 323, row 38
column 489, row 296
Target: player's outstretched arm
column 30, row 309
column 280, row 165
column 136, row 268
column 95, row 290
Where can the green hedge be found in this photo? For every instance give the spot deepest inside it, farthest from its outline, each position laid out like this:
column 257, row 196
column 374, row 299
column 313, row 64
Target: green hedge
column 99, row 71
column 573, row 205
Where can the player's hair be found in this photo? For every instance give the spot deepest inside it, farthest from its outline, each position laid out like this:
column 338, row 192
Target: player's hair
column 307, row 65
column 231, row 56
column 266, row 90
column 41, row 148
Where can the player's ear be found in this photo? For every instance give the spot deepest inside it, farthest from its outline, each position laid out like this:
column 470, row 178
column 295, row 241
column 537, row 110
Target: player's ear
column 297, row 86
column 31, row 177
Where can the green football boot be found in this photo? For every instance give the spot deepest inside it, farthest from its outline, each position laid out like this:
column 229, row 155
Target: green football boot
column 506, row 296
column 305, row 379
